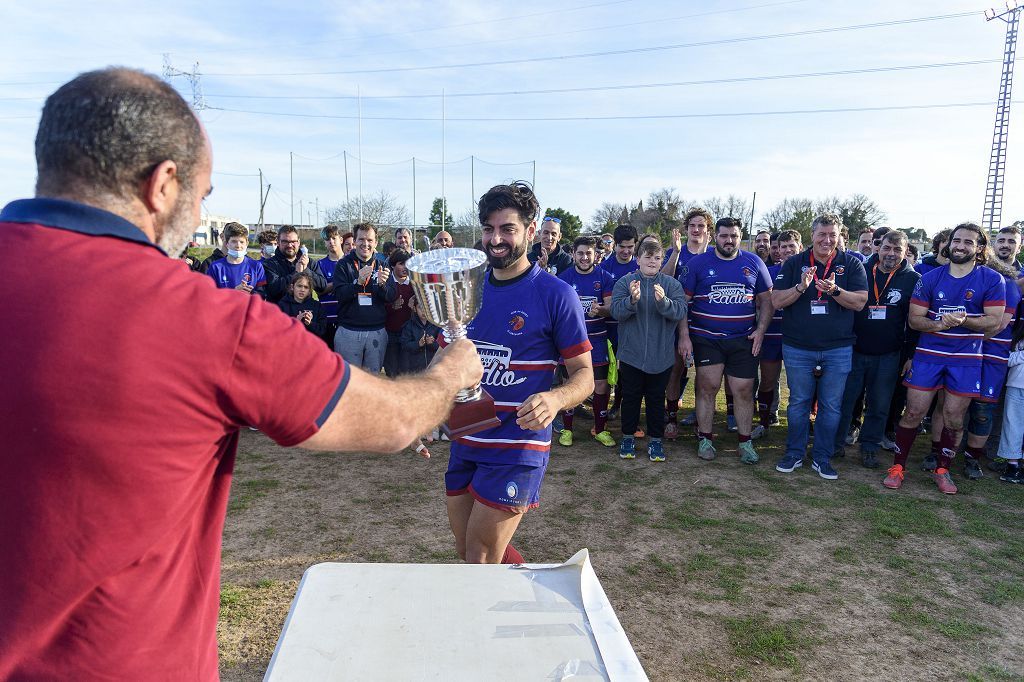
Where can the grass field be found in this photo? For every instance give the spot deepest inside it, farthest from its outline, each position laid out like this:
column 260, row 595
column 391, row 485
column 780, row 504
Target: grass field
column 716, row 570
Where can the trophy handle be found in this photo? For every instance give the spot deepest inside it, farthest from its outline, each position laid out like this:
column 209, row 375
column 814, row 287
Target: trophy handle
column 468, row 395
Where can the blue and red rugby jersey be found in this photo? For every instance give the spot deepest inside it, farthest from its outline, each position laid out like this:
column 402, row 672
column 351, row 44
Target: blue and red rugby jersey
column 592, row 288
column 942, row 293
column 997, row 348
column 723, row 294
column 613, row 267
column 228, row 276
column 328, row 303
column 521, row 331
column 685, row 256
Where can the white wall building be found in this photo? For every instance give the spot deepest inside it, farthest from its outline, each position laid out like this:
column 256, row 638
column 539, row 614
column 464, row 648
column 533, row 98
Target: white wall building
column 210, row 228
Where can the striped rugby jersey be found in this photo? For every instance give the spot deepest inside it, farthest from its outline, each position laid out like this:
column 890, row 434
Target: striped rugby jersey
column 613, row 267
column 521, row 331
column 229, row 276
column 774, row 332
column 997, row 349
column 328, row 303
column 592, row 288
column 942, row 293
column 723, row 293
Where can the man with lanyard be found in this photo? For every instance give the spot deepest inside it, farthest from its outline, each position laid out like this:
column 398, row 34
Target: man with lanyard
column 529, row 320
column 698, row 235
column 954, row 307
column 548, row 253
column 819, row 289
column 771, row 347
column 360, row 285
column 729, row 292
column 882, row 339
column 290, row 257
column 594, row 288
column 621, row 263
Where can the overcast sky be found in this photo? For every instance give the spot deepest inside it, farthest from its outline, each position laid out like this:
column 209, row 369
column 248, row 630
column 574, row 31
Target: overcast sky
column 924, row 164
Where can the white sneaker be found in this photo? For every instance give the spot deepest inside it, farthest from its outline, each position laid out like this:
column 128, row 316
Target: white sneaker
column 444, row 436
column 888, row 444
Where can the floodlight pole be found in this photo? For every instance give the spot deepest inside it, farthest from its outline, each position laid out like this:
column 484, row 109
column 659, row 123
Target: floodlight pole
column 992, row 214
column 291, row 182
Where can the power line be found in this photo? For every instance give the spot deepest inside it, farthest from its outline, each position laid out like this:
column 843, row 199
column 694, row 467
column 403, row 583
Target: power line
column 560, row 33
column 632, row 117
column 606, row 53
column 637, row 86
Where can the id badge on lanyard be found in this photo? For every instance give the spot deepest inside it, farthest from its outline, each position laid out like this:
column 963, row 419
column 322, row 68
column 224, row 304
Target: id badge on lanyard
column 819, row 307
column 876, row 312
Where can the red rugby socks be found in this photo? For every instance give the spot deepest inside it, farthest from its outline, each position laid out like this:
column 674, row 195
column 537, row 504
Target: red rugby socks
column 512, row 556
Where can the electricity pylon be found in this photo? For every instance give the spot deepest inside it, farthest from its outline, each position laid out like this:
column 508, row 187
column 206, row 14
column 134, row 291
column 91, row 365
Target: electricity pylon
column 993, row 213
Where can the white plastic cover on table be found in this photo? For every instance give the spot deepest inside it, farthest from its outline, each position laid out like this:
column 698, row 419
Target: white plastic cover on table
column 453, row 622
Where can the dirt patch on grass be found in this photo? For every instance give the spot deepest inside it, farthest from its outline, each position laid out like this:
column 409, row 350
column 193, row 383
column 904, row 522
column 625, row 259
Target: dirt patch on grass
column 717, row 570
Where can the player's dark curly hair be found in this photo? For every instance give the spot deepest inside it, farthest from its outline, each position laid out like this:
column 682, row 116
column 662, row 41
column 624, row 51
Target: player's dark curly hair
column 518, row 195
column 981, row 257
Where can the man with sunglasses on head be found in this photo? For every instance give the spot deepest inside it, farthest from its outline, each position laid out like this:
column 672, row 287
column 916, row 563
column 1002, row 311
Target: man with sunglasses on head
column 606, row 246
column 548, row 253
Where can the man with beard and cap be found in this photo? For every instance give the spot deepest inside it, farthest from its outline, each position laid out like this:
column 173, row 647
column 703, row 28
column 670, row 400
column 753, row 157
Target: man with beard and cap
column 548, row 253
column 290, row 257
column 528, row 321
column 118, row 456
column 882, row 340
column 819, row 289
column 954, row 307
column 730, row 307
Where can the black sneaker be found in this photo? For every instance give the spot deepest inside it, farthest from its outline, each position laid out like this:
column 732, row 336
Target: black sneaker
column 930, row 463
column 869, row 460
column 997, row 465
column 1014, row 473
column 972, row 470
column 840, row 451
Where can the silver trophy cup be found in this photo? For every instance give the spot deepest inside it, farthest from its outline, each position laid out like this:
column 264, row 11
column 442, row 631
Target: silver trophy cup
column 449, row 287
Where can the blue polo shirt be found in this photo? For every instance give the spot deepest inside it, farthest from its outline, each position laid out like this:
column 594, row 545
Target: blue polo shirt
column 834, row 329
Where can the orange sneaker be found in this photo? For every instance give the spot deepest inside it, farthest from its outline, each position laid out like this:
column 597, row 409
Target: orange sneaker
column 943, row 480
column 895, row 478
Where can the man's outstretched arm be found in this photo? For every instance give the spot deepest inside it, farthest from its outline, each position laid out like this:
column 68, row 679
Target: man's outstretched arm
column 422, row 400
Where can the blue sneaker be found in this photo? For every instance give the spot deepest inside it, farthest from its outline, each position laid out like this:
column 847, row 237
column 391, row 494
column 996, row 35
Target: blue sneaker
column 825, row 470
column 788, row 463
column 627, row 448
column 730, row 421
column 557, row 426
column 690, row 419
column 654, row 451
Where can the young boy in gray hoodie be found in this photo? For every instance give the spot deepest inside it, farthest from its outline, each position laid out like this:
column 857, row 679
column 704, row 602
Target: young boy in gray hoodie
column 647, row 305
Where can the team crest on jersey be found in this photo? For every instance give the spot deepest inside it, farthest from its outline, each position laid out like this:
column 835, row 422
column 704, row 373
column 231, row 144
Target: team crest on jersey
column 840, row 269
column 597, row 286
column 969, row 294
column 496, row 360
column 893, row 296
column 516, row 323
column 749, row 274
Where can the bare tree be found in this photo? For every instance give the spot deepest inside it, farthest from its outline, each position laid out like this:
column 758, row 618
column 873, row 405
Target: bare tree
column 780, row 217
column 608, row 216
column 732, row 206
column 381, row 209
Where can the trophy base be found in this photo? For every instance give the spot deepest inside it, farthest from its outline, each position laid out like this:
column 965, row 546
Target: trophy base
column 469, row 417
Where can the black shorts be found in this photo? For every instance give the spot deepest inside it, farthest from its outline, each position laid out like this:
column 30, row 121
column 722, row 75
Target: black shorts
column 733, row 353
column 600, row 374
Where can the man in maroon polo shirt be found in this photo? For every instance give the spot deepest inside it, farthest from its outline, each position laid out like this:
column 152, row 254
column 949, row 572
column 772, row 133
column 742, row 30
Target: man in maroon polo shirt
column 118, row 443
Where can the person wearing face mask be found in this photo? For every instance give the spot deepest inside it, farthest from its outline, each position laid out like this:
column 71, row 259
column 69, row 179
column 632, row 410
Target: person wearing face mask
column 217, row 254
column 648, row 304
column 290, row 257
column 883, row 340
column 237, row 270
column 267, row 242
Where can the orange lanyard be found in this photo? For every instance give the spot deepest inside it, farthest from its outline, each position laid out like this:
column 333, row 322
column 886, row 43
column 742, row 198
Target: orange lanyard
column 874, row 283
column 824, row 274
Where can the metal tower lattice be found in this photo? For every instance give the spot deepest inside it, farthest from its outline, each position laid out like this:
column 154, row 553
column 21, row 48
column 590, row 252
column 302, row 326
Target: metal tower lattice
column 993, row 213
column 193, row 77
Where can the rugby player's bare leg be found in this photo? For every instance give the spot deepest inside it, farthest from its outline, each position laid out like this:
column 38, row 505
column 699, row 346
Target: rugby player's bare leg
column 459, row 509
column 488, row 533
column 709, row 378
column 954, row 407
column 743, row 403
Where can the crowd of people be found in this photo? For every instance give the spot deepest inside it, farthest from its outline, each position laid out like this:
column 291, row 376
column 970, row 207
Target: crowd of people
column 876, row 353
